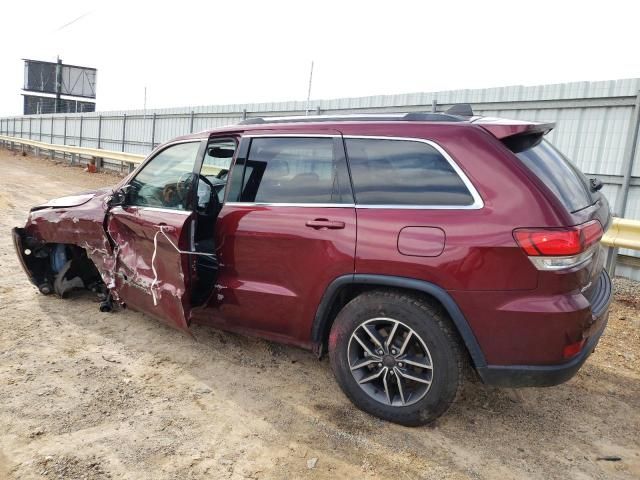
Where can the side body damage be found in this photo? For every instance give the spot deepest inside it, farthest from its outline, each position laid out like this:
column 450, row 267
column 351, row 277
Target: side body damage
column 78, row 242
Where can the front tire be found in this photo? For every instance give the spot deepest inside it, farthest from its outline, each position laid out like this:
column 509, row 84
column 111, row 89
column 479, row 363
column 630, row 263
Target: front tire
column 396, row 356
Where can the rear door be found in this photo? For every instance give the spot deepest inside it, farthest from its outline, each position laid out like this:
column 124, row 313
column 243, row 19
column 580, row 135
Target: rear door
column 286, row 230
column 152, row 233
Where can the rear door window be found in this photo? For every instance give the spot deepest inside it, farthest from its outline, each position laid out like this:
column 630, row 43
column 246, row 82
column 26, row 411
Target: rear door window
column 403, row 172
column 564, row 179
column 306, row 170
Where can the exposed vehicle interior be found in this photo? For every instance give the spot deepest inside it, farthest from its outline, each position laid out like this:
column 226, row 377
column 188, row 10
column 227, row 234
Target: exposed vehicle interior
column 209, row 193
column 165, row 182
column 181, row 178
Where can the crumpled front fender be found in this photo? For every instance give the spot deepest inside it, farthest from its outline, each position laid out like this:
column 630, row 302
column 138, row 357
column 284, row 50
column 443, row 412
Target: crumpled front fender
column 73, row 200
column 81, row 225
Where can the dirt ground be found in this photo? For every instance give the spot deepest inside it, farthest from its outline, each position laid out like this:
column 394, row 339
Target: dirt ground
column 93, row 395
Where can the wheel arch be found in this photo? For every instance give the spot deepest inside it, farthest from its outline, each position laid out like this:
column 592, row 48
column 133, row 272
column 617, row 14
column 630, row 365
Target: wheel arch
column 346, row 287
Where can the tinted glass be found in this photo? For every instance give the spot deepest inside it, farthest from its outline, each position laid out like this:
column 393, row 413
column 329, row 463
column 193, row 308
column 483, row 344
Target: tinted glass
column 403, row 172
column 295, row 170
column 166, row 181
column 213, row 175
column 559, row 174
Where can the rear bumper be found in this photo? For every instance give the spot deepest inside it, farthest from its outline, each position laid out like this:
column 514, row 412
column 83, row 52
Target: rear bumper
column 549, row 375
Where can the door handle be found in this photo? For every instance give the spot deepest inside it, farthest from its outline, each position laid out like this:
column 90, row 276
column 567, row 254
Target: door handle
column 320, row 223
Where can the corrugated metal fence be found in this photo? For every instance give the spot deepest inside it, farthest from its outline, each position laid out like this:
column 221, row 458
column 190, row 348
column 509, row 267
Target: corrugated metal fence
column 597, row 125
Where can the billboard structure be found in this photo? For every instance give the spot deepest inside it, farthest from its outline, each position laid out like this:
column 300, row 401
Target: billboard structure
column 56, row 78
column 35, row 105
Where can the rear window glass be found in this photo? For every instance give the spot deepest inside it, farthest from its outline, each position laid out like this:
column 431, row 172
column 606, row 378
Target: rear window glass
column 564, row 179
column 403, row 172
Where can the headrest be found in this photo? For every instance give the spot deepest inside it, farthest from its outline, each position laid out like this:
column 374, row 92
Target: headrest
column 277, row 168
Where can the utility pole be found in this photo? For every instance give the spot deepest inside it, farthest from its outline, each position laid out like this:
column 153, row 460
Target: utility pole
column 309, row 91
column 58, row 105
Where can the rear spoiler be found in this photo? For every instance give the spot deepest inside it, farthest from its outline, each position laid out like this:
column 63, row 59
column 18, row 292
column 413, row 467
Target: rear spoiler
column 515, row 134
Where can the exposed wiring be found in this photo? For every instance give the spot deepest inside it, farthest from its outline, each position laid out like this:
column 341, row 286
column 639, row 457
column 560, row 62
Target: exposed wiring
column 161, row 229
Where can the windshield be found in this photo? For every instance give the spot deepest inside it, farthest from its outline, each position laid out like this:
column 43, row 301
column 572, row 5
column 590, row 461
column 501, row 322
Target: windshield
column 564, row 179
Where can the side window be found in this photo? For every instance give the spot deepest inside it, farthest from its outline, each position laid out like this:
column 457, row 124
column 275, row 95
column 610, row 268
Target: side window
column 403, row 172
column 166, row 181
column 295, row 170
column 213, row 175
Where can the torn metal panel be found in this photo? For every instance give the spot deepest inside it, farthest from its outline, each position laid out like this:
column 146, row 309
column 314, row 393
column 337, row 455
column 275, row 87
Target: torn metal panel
column 71, row 200
column 139, row 254
column 150, row 268
column 79, row 222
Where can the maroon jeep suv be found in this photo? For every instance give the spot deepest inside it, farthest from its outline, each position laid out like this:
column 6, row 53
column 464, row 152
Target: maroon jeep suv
column 405, row 245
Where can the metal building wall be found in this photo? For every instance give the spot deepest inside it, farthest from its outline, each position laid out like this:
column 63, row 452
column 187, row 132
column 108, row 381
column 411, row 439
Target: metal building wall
column 593, row 124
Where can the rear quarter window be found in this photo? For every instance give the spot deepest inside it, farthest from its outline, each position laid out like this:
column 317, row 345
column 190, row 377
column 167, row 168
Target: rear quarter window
column 403, row 172
column 563, row 178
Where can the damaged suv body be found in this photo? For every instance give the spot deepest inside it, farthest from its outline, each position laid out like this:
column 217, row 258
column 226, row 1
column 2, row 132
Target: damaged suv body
column 406, row 245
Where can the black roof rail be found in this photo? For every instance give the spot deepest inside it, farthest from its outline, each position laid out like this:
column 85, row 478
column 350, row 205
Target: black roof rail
column 384, row 117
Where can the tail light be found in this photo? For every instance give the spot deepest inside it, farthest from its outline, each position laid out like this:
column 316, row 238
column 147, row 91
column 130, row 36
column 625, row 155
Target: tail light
column 573, row 349
column 559, row 248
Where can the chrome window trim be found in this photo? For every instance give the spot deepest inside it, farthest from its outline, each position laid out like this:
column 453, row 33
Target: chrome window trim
column 155, row 209
column 392, row 206
column 349, row 205
column 280, row 135
column 477, row 204
column 305, row 205
column 165, row 210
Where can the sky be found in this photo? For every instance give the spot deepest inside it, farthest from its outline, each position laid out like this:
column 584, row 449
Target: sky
column 191, row 53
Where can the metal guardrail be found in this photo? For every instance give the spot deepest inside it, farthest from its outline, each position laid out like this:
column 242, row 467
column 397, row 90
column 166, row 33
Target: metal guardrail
column 623, row 233
column 129, row 158
column 98, row 153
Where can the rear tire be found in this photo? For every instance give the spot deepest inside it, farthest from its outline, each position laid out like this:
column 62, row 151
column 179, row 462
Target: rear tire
column 396, row 356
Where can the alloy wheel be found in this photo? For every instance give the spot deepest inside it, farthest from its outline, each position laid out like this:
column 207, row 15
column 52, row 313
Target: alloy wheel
column 390, row 362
